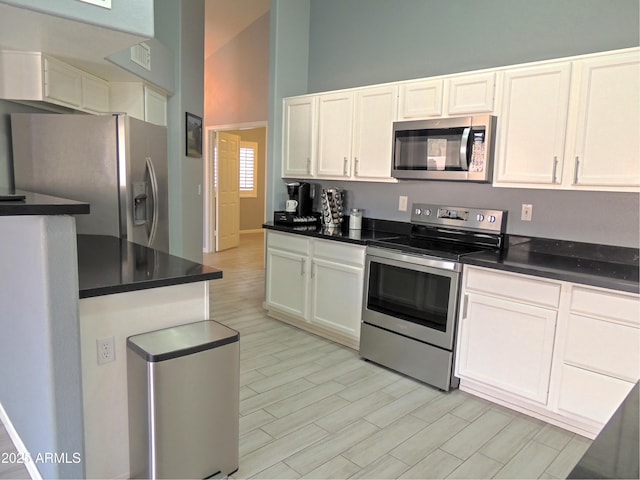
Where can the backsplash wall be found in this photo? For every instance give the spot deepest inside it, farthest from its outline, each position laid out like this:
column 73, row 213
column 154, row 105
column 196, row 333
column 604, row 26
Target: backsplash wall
column 593, row 217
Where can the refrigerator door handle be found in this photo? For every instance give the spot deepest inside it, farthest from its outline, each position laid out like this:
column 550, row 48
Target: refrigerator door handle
column 154, row 201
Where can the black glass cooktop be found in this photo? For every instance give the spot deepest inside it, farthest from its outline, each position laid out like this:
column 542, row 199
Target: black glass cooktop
column 428, row 247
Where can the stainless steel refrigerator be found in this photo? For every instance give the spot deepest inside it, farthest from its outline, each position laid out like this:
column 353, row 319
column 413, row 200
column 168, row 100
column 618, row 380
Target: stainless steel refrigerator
column 116, row 163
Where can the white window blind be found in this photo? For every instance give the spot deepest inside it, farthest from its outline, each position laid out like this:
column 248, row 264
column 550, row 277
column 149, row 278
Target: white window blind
column 248, row 160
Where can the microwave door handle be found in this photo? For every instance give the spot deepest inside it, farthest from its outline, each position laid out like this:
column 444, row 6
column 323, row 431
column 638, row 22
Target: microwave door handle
column 464, row 149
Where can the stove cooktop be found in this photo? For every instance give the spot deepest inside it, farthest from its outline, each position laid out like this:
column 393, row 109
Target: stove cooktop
column 431, row 248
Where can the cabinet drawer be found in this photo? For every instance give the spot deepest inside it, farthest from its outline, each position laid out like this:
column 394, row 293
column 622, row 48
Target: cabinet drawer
column 604, row 347
column 606, row 304
column 288, row 242
column 591, row 395
column 514, row 286
column 340, row 252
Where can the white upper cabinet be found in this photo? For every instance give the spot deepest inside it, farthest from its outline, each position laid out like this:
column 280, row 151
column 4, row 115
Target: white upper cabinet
column 421, row 99
column 375, row 111
column 606, row 145
column 571, row 125
column 36, row 77
column 298, row 137
column 447, row 96
column 335, row 123
column 532, row 124
column 139, row 101
column 471, row 93
column 344, row 135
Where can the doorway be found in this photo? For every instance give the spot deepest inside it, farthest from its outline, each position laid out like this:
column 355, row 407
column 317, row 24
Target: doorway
column 252, row 184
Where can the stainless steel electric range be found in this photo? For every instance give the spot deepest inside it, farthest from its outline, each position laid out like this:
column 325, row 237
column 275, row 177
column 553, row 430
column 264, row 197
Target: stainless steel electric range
column 410, row 304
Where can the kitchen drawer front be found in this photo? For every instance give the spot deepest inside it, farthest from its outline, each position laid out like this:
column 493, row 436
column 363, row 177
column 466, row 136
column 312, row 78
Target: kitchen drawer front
column 591, row 395
column 606, row 304
column 339, row 252
column 513, row 286
column 604, row 347
column 288, row 242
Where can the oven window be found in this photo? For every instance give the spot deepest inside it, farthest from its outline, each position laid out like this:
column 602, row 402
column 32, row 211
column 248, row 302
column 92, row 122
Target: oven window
column 411, row 295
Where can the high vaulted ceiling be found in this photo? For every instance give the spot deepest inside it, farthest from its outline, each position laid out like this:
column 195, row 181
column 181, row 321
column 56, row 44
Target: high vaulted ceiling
column 224, row 19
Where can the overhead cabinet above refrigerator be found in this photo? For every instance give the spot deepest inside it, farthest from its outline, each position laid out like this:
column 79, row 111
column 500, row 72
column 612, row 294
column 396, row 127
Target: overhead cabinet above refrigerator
column 115, row 163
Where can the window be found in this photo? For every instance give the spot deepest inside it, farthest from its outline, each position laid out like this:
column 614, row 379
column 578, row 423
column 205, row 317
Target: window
column 248, row 160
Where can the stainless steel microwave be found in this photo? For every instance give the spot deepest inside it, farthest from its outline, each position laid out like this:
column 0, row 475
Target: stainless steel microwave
column 457, row 149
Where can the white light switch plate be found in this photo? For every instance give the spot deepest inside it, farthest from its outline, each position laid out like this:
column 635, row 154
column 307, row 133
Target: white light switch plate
column 402, row 203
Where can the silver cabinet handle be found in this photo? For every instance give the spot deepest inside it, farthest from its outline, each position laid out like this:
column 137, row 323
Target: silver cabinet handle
column 303, row 264
column 313, row 269
column 357, row 166
column 555, row 168
column 575, row 173
column 465, row 305
column 309, row 166
column 345, row 166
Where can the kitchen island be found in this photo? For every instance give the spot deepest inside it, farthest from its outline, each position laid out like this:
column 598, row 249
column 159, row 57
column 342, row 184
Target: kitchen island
column 60, row 293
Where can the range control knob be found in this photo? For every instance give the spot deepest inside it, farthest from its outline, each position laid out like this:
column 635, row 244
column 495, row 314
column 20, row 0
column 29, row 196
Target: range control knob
column 426, row 212
column 492, row 218
column 479, row 217
column 418, row 211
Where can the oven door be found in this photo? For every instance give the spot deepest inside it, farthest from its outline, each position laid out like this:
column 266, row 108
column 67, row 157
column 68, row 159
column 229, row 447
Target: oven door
column 412, row 296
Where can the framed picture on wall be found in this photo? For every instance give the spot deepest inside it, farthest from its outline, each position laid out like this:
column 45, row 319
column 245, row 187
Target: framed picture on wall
column 194, row 135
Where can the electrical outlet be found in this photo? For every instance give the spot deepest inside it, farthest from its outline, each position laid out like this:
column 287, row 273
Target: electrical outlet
column 402, row 203
column 106, row 350
column 527, row 212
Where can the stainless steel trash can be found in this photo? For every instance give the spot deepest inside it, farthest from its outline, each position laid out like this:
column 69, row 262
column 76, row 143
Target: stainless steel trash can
column 183, row 388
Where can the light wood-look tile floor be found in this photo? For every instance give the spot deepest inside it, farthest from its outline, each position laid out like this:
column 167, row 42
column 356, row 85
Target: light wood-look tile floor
column 313, row 409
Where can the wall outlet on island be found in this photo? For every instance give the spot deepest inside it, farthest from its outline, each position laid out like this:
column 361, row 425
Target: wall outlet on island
column 106, row 350
column 527, row 212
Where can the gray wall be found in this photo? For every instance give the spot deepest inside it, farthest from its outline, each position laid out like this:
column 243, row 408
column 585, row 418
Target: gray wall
column 180, row 26
column 348, row 47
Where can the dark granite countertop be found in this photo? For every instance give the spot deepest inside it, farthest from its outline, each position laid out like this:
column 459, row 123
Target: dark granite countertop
column 372, row 229
column 108, row 265
column 614, row 452
column 20, row 202
column 587, row 263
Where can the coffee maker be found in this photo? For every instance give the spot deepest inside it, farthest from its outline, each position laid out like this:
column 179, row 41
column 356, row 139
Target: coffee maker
column 299, row 202
column 298, row 207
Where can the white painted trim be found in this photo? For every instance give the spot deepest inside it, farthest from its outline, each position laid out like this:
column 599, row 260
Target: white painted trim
column 17, row 442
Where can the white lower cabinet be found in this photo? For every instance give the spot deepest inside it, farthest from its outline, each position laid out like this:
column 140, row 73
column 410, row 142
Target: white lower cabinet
column 316, row 285
column 562, row 352
column 508, row 345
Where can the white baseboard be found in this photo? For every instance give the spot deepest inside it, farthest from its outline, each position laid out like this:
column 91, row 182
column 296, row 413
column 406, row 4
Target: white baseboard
column 17, row 442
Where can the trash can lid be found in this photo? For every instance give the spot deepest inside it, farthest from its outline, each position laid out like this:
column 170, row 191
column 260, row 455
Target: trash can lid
column 174, row 342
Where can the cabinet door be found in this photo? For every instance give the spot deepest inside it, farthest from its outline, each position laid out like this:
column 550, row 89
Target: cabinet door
column 421, row 99
column 471, row 94
column 335, row 121
column 507, row 345
column 298, row 150
column 337, row 296
column 155, row 107
column 95, row 94
column 62, row 84
column 606, row 151
column 287, row 282
column 532, row 125
column 376, row 109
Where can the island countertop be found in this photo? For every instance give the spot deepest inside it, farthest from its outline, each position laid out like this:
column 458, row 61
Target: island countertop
column 108, row 265
column 20, row 202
